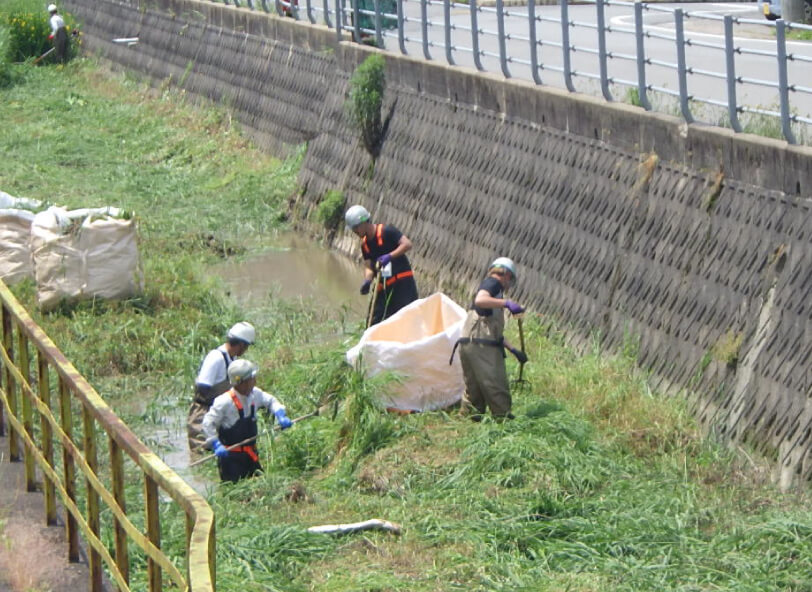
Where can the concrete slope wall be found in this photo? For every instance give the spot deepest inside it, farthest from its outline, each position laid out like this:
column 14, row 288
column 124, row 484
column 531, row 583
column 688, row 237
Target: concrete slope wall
column 694, row 241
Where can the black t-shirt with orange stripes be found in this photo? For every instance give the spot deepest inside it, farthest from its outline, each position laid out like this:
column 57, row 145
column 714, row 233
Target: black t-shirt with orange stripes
column 385, row 240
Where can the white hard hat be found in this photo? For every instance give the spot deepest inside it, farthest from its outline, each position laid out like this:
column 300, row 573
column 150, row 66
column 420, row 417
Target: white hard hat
column 242, row 331
column 355, row 216
column 240, row 370
column 52, row 8
column 505, row 263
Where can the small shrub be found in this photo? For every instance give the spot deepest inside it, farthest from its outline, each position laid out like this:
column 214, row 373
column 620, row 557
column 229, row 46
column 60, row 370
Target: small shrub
column 330, row 210
column 6, row 72
column 367, row 86
column 28, row 35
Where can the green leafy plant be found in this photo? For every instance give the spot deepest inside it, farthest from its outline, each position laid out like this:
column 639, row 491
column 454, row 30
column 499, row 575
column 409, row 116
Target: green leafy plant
column 367, row 86
column 28, row 34
column 330, row 209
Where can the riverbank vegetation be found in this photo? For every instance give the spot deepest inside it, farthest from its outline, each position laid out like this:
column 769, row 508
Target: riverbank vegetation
column 599, row 484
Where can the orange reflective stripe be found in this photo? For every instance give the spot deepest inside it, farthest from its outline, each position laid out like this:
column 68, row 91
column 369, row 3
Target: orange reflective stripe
column 394, row 278
column 379, row 234
column 236, row 400
column 364, row 246
column 249, row 450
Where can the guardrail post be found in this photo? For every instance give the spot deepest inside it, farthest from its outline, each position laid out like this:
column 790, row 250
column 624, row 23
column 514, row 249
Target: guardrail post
column 424, row 26
column 11, row 384
column 500, row 27
column 153, row 521
column 338, row 20
column 730, row 52
column 356, row 21
column 565, row 45
column 93, row 523
column 447, row 19
column 279, row 10
column 48, row 486
column 475, row 35
column 378, row 30
column 642, row 87
column 401, row 35
column 783, row 85
column 682, row 70
column 603, row 55
column 326, row 8
column 119, row 534
column 28, row 423
column 534, row 58
column 310, row 17
column 68, row 466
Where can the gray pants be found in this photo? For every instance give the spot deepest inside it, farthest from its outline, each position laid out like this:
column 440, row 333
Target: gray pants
column 486, row 381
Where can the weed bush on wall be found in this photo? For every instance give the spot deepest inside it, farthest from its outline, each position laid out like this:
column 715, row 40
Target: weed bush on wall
column 366, row 97
column 331, row 209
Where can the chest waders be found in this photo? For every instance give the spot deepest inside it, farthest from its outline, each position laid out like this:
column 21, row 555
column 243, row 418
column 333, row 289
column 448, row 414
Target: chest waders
column 394, row 292
column 200, row 405
column 241, row 461
column 482, row 356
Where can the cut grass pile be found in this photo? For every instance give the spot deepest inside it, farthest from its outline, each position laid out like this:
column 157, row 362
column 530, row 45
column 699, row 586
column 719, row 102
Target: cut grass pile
column 598, row 484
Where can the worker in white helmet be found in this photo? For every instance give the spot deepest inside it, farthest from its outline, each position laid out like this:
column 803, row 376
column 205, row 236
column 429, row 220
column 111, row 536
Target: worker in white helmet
column 482, row 344
column 59, row 34
column 230, row 425
column 212, row 378
column 383, row 248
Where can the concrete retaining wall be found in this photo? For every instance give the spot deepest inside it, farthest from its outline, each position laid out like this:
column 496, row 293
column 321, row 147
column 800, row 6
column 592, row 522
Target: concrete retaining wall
column 695, row 240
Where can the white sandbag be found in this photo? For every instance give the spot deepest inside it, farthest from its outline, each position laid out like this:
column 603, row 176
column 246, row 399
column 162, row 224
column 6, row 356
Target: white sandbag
column 84, row 254
column 15, row 254
column 16, row 214
column 415, row 343
column 18, row 203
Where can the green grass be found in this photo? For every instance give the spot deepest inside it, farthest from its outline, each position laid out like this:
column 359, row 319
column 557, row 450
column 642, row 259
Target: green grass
column 599, row 484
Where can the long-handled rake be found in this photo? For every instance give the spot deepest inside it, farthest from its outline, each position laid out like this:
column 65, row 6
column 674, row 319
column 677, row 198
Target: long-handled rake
column 373, row 297
column 521, row 379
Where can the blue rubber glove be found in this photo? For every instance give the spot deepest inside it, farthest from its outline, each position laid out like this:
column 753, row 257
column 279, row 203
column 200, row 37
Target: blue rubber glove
column 520, row 355
column 220, row 451
column 283, row 419
column 384, row 260
column 365, row 287
column 514, row 307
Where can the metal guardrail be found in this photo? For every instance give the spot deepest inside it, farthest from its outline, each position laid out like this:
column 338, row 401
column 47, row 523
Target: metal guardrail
column 690, row 67
column 41, row 422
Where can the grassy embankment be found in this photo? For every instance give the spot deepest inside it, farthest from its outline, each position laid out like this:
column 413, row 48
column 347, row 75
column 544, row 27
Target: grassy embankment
column 598, row 485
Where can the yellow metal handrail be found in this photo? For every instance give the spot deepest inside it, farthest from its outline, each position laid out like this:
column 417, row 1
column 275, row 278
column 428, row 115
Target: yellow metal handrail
column 56, row 425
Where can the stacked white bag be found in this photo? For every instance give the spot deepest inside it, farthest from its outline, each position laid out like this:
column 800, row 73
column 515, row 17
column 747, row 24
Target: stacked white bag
column 83, row 254
column 16, row 215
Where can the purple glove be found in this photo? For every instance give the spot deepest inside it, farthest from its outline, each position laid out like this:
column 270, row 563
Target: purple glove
column 514, row 307
column 365, row 286
column 384, row 260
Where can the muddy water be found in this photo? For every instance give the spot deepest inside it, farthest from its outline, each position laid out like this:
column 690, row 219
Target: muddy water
column 293, row 269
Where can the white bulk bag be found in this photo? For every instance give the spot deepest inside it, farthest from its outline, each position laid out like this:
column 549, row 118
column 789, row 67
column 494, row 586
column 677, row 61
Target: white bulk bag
column 15, row 254
column 83, row 254
column 15, row 227
column 415, row 343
